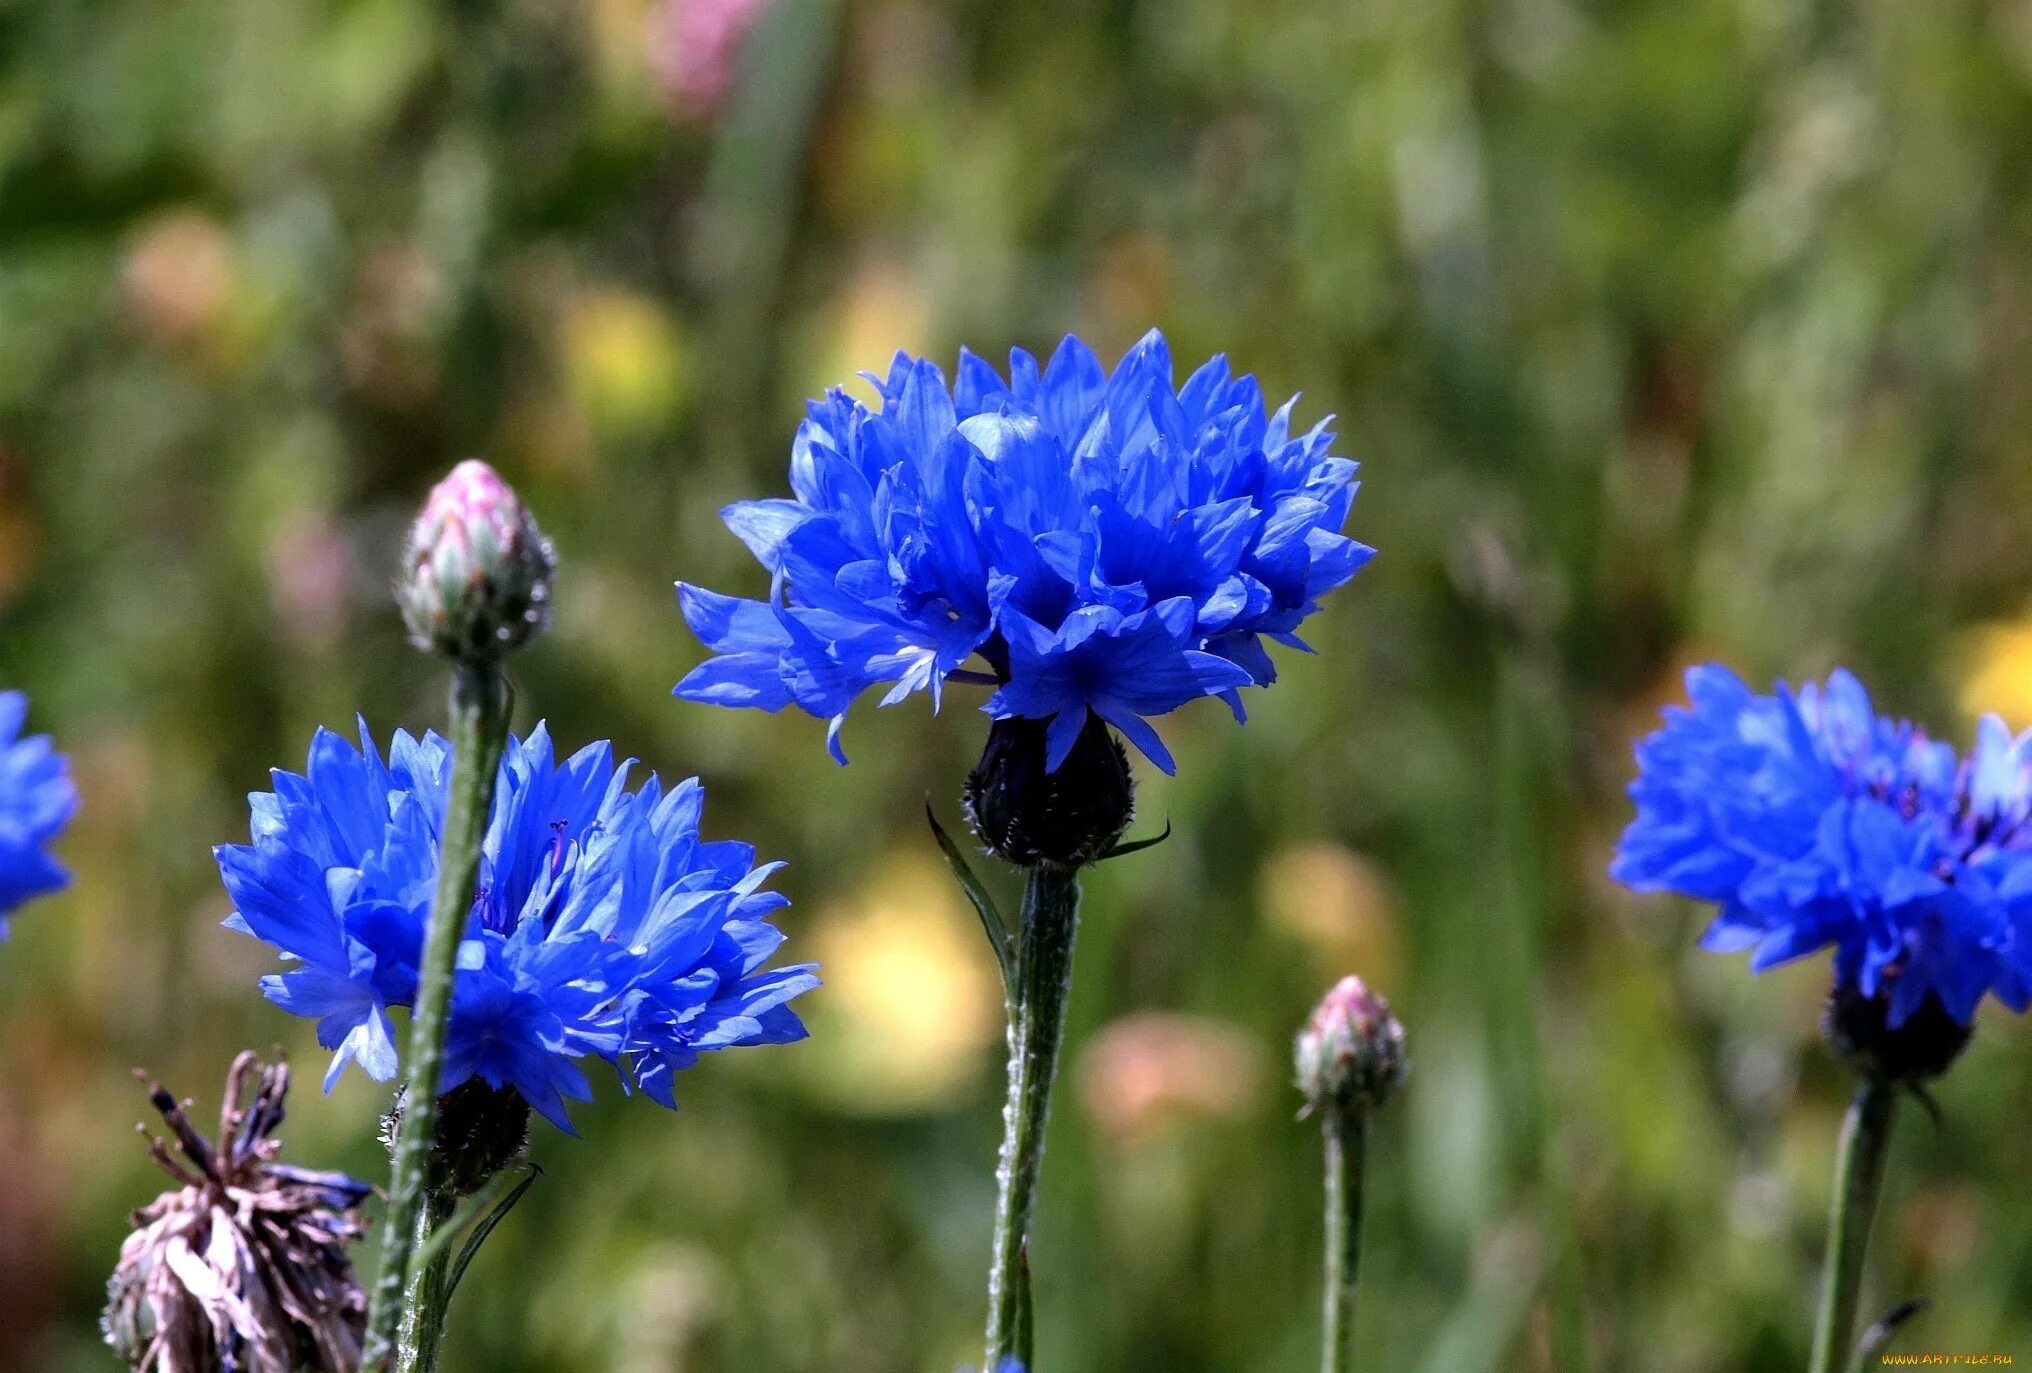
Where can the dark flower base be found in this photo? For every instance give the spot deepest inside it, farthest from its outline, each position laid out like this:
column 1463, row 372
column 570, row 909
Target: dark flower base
column 1028, row 816
column 1921, row 1049
column 480, row 1131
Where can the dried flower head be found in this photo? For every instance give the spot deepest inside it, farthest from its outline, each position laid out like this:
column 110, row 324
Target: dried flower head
column 244, row 1266
column 1351, row 1053
column 476, row 579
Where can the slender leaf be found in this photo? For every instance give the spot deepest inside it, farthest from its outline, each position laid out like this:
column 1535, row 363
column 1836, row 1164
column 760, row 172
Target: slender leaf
column 485, row 1227
column 997, row 929
column 1136, row 845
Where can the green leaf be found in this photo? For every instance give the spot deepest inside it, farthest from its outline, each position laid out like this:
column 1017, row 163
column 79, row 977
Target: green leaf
column 1926, row 1101
column 997, row 929
column 1135, row 845
column 484, row 1228
column 476, row 1218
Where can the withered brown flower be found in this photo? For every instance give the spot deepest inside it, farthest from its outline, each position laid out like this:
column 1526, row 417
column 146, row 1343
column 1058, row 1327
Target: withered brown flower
column 243, row 1268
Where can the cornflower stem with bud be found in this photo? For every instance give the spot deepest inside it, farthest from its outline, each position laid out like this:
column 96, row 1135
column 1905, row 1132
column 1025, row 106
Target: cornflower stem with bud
column 400, row 1335
column 1346, row 1134
column 1350, row 1060
column 1859, row 1180
column 1043, row 983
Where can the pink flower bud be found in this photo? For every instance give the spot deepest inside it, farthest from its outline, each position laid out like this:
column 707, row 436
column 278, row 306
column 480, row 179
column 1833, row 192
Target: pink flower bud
column 477, row 576
column 1351, row 1053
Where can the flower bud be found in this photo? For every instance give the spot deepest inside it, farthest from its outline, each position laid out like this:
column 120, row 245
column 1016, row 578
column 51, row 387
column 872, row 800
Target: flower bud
column 1351, row 1053
column 1028, row 816
column 477, row 575
column 1859, row 1029
column 244, row 1266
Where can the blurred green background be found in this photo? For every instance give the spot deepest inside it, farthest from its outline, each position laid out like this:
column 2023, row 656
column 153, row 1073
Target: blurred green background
column 1664, row 331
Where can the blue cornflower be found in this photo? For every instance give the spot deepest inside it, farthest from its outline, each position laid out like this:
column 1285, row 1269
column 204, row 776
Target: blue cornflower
column 603, row 925
column 1815, row 823
column 1104, row 543
column 37, row 799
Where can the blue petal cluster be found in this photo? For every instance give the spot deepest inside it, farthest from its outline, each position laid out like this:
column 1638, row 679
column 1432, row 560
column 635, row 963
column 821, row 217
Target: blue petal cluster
column 602, row 924
column 1101, row 542
column 1815, row 823
column 37, row 800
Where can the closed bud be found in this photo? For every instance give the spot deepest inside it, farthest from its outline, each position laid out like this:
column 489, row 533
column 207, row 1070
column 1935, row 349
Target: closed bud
column 1029, row 816
column 1351, row 1053
column 1859, row 1029
column 244, row 1265
column 477, row 575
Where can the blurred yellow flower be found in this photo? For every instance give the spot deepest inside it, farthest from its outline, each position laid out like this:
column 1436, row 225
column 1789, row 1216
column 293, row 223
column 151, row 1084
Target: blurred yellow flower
column 911, row 997
column 624, row 359
column 1998, row 676
column 884, row 310
column 1337, row 904
column 618, row 33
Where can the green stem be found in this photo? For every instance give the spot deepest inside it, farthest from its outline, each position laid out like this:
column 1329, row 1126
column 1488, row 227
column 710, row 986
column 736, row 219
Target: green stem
column 479, row 732
column 1346, row 1137
column 1036, row 1030
column 1859, row 1178
column 429, row 1290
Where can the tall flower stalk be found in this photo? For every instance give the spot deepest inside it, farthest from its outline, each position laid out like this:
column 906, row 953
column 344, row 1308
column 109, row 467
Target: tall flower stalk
column 1050, row 824
column 1346, row 1138
column 1350, row 1059
column 407, row 1311
column 1051, row 900
column 477, row 585
column 1859, row 1179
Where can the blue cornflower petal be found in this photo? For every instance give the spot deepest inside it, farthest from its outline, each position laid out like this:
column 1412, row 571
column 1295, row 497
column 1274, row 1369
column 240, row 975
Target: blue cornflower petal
column 1098, row 542
column 37, row 799
column 602, row 926
column 1815, row 823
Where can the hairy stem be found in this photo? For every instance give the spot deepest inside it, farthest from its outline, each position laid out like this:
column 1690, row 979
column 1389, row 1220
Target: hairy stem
column 1346, row 1136
column 1036, row 1030
column 479, row 732
column 429, row 1290
column 1859, row 1178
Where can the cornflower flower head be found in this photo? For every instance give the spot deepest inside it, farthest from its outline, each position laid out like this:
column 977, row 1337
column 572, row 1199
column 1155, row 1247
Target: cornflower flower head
column 603, row 924
column 1102, row 544
column 37, row 799
column 1815, row 823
